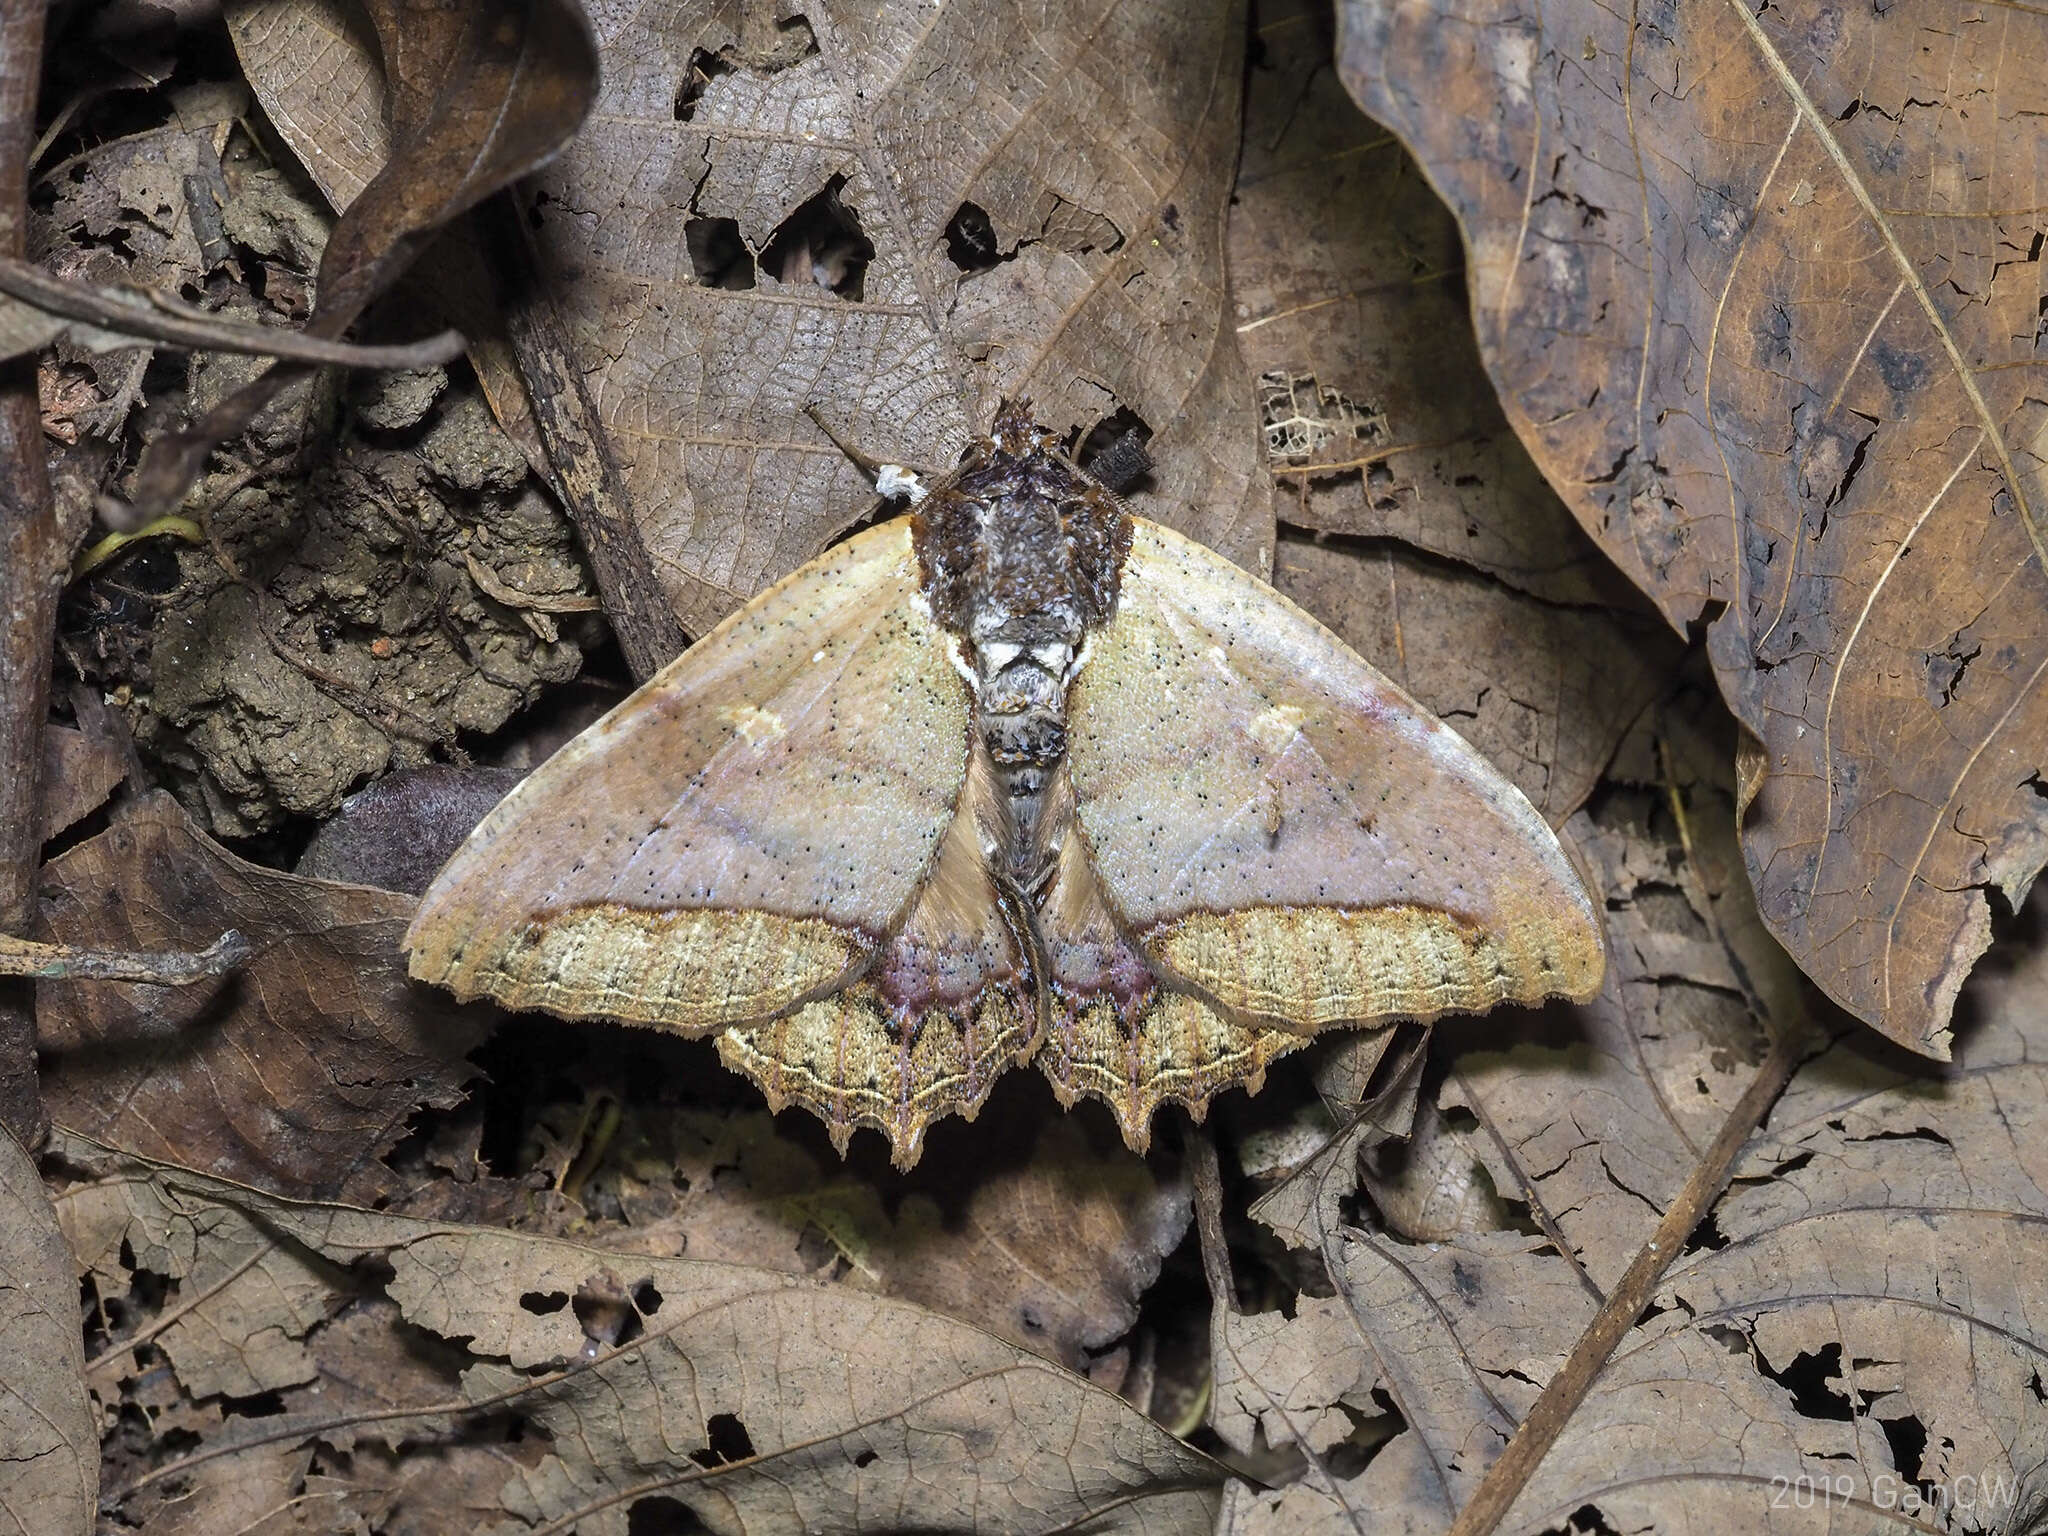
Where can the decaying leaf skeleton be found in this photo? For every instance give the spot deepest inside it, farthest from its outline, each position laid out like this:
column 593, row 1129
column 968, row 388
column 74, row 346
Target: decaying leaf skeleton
column 1019, row 775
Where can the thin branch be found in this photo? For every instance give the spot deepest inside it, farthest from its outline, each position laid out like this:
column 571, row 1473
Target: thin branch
column 1505, row 1479
column 167, row 968
column 586, row 471
column 144, row 314
column 35, row 553
column 1207, row 1179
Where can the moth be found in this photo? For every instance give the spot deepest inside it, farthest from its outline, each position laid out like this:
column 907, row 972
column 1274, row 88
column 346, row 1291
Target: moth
column 1017, row 776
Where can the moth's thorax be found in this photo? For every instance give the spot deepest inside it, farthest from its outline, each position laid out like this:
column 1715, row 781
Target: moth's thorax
column 1021, row 554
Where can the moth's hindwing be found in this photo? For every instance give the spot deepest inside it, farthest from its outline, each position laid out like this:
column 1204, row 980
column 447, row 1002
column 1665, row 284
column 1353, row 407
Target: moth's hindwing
column 948, row 1004
column 1119, row 1036
column 1287, row 834
column 738, row 837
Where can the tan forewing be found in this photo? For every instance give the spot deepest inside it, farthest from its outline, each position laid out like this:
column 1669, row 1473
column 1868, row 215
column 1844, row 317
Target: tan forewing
column 1287, row 833
column 737, row 837
column 947, row 1006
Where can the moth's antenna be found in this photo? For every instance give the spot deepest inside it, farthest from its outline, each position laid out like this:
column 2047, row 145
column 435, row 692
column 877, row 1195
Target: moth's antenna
column 889, row 479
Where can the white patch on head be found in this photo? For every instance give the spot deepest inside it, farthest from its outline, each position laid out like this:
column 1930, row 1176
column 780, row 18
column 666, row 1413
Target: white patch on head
column 755, row 726
column 998, row 654
column 895, row 480
column 1274, row 728
column 1080, row 659
column 1053, row 657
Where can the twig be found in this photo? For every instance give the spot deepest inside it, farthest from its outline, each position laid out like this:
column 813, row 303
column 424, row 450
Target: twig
column 586, row 472
column 168, row 968
column 153, row 316
column 1505, row 1479
column 1207, row 1179
column 35, row 553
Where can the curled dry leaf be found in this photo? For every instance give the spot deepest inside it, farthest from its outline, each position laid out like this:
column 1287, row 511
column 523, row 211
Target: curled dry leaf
column 297, row 1071
column 896, row 217
column 1761, row 290
column 745, row 1398
column 1051, row 1252
column 478, row 96
column 49, row 1453
column 1808, row 1338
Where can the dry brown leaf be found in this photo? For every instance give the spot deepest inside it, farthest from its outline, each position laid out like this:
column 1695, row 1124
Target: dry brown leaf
column 1854, row 1339
column 1037, row 1226
column 743, row 1397
column 298, row 1071
column 1598, row 1113
column 928, row 211
column 1761, row 289
column 1350, row 298
column 1454, row 1338
column 1349, row 281
column 124, row 211
column 79, row 772
column 1051, row 1252
column 49, row 1457
column 478, row 97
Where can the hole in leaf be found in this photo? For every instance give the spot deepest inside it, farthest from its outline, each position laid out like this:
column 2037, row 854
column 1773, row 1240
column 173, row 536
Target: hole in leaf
column 1706, row 1235
column 544, row 1303
column 607, row 1314
column 719, row 258
column 761, row 49
column 1815, row 1380
column 1113, row 450
column 647, row 1298
column 971, row 239
column 705, row 67
column 865, row 1458
column 821, row 243
column 659, row 1515
column 726, row 1440
column 1907, row 1437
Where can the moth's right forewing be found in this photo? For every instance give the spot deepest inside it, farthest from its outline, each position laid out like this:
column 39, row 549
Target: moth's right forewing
column 738, row 836
column 1286, row 832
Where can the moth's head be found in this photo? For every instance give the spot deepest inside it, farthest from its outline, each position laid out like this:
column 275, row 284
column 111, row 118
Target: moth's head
column 1016, row 431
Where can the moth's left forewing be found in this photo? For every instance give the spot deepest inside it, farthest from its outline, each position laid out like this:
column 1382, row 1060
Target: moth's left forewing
column 1288, row 834
column 738, row 837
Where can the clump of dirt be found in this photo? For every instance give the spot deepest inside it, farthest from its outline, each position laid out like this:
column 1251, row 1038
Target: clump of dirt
column 333, row 630
column 346, row 593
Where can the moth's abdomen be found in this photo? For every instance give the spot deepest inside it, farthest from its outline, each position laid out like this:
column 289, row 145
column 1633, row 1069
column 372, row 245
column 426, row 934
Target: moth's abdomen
column 1021, row 712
